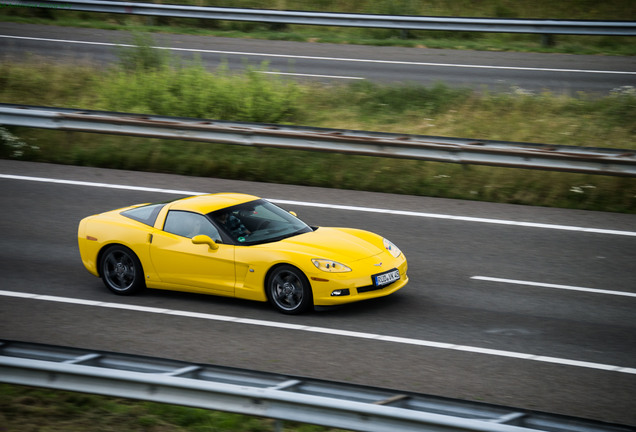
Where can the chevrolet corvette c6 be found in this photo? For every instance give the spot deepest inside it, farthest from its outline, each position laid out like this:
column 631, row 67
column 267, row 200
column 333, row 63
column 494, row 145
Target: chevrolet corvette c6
column 238, row 245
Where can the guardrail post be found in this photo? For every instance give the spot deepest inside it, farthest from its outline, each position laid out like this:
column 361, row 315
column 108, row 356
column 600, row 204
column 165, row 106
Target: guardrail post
column 547, row 40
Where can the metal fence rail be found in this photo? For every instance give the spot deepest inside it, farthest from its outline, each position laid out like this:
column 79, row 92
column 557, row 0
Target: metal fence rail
column 543, row 26
column 590, row 160
column 281, row 397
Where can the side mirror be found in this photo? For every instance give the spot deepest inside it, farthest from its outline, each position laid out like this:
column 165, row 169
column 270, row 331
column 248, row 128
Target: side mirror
column 293, row 213
column 203, row 239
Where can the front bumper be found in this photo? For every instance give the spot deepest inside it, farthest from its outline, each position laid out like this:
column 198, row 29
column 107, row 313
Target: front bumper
column 356, row 285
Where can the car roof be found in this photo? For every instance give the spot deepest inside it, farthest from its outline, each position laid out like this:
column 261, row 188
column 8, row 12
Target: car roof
column 211, row 202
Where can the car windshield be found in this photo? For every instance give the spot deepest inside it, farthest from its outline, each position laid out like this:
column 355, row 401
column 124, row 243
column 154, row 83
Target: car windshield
column 258, row 222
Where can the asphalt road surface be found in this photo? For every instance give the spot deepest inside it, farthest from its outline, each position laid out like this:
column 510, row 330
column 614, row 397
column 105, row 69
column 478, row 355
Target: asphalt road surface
column 555, row 331
column 495, row 71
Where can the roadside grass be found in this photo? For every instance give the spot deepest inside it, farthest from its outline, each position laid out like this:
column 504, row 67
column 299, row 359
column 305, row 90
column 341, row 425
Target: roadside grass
column 147, row 82
column 28, row 409
column 539, row 9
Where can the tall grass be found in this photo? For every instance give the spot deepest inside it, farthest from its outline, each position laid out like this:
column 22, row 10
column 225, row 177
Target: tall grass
column 192, row 91
column 150, row 81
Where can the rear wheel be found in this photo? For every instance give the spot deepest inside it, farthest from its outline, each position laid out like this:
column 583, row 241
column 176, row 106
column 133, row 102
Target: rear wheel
column 121, row 271
column 288, row 290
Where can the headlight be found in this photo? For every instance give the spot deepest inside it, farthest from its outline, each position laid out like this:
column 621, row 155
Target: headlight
column 330, row 266
column 393, row 249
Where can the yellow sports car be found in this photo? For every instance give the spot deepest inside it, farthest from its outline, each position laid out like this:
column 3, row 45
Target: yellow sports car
column 241, row 246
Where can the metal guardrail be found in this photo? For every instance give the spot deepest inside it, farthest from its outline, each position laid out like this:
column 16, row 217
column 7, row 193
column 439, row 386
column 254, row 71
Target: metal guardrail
column 589, row 160
column 287, row 398
column 541, row 26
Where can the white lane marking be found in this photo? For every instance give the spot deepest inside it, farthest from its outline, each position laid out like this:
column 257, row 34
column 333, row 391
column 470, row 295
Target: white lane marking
column 311, row 75
column 458, row 218
column 332, row 206
column 324, row 330
column 99, row 185
column 557, row 286
column 290, row 56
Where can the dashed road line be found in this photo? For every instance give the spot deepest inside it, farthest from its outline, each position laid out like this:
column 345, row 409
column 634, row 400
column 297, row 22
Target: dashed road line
column 556, row 286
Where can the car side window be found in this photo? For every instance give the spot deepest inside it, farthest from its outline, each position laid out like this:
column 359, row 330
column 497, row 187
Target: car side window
column 145, row 214
column 187, row 224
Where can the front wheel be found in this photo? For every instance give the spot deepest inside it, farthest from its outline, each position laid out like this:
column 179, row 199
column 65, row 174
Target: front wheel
column 121, row 271
column 288, row 290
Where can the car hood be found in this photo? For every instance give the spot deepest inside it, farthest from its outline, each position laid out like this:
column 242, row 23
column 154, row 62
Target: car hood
column 338, row 244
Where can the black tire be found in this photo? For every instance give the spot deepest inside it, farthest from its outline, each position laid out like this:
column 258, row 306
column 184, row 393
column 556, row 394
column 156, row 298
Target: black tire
column 288, row 290
column 121, row 271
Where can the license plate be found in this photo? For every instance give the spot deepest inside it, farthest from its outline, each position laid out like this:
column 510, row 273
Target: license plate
column 386, row 277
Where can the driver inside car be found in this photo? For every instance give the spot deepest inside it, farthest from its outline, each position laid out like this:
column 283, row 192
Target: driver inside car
column 233, row 225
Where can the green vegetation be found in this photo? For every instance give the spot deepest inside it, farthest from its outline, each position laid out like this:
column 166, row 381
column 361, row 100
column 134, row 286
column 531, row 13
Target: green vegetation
column 541, row 9
column 26, row 409
column 146, row 82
